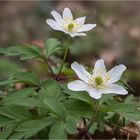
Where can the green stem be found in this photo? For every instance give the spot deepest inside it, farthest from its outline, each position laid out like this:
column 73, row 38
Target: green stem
column 94, row 117
column 49, row 67
column 64, row 58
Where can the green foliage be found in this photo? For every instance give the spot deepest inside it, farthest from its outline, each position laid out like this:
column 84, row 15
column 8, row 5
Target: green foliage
column 55, row 107
column 47, row 109
column 130, row 112
column 58, row 131
column 31, row 127
column 51, row 45
column 22, row 77
column 25, row 52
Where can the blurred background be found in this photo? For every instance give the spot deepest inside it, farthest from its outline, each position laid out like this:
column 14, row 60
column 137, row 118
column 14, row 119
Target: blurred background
column 116, row 38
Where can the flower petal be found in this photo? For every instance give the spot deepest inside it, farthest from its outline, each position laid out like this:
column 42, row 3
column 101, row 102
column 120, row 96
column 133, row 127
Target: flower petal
column 86, row 27
column 114, row 88
column 77, row 85
column 116, row 73
column 67, row 14
column 57, row 17
column 80, row 71
column 80, row 20
column 99, row 68
column 95, row 93
column 53, row 24
column 77, row 34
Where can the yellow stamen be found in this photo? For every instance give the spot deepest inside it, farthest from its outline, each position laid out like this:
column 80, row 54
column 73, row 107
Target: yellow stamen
column 70, row 26
column 98, row 81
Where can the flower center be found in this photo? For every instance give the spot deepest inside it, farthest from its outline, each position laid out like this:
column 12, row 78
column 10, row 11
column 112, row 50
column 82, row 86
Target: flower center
column 70, row 26
column 98, row 80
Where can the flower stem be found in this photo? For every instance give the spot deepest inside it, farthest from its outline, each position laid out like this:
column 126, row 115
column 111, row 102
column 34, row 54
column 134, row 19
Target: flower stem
column 94, row 116
column 64, row 58
column 49, row 67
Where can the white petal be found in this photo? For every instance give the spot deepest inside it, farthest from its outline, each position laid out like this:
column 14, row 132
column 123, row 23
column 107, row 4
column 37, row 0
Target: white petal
column 80, row 20
column 57, row 17
column 80, row 71
column 77, row 34
column 114, row 88
column 94, row 93
column 67, row 14
column 86, row 27
column 78, row 85
column 53, row 24
column 116, row 73
column 99, row 68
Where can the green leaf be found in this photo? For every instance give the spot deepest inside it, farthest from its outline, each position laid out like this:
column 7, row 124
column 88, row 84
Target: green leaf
column 27, row 77
column 52, row 45
column 5, row 121
column 55, row 107
column 51, row 88
column 106, row 97
column 17, row 135
column 22, row 77
column 27, row 102
column 9, row 82
column 29, row 128
column 130, row 112
column 7, row 131
column 71, row 126
column 58, row 131
column 83, row 96
column 77, row 109
column 14, row 97
column 15, row 112
column 26, row 52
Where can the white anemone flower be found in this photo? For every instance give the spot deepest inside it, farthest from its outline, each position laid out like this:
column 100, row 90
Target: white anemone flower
column 68, row 25
column 99, row 82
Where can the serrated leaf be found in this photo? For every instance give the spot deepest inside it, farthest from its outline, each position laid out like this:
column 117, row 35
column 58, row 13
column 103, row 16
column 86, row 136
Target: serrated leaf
column 52, row 45
column 27, row 51
column 71, row 126
column 106, row 97
column 9, row 82
column 130, row 112
column 77, row 109
column 83, row 96
column 15, row 112
column 58, row 131
column 7, row 131
column 26, row 77
column 5, row 121
column 17, row 135
column 51, row 88
column 17, row 95
column 55, row 107
column 29, row 128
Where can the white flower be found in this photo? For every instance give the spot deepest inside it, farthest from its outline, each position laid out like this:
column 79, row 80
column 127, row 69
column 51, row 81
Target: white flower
column 99, row 82
column 68, row 25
